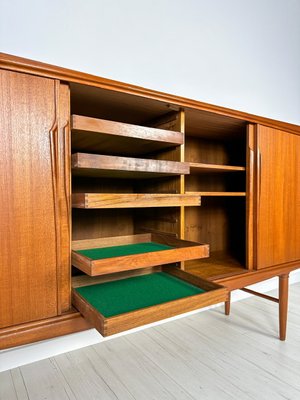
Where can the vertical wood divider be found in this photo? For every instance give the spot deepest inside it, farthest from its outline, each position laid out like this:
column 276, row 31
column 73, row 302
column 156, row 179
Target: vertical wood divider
column 181, row 122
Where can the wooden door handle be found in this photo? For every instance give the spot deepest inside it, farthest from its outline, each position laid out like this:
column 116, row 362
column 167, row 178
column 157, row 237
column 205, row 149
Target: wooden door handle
column 259, row 168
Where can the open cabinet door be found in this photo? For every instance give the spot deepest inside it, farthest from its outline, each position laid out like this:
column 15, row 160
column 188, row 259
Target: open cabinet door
column 278, row 197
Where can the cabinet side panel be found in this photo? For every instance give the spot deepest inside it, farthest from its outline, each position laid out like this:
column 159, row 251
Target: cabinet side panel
column 278, row 225
column 28, row 274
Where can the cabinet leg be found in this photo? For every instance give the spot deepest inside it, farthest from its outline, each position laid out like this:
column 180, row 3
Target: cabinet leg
column 227, row 304
column 283, row 304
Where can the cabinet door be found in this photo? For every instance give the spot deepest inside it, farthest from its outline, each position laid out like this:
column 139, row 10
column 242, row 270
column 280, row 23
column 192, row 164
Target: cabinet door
column 30, row 235
column 278, row 197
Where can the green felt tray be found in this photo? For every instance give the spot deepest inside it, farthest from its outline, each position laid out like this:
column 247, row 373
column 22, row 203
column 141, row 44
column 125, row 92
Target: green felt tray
column 124, row 250
column 118, row 297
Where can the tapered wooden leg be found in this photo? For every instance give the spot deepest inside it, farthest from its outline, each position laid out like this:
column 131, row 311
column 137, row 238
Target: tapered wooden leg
column 283, row 304
column 227, row 304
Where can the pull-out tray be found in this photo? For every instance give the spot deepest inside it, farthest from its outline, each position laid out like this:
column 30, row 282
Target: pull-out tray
column 116, row 306
column 122, row 253
column 107, row 137
column 125, row 167
column 133, row 200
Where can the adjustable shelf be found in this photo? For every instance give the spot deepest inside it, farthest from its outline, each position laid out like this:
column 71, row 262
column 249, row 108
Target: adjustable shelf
column 199, row 168
column 107, row 137
column 94, row 165
column 116, row 306
column 133, row 200
column 122, row 253
column 214, row 194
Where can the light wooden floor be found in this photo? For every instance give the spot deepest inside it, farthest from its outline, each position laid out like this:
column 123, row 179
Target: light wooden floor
column 204, row 356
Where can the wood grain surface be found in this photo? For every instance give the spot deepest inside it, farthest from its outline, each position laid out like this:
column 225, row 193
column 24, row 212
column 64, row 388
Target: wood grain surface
column 28, row 234
column 101, row 166
column 133, row 200
column 278, row 197
column 101, row 135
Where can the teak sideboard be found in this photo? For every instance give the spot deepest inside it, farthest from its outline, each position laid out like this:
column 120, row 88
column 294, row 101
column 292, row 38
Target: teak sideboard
column 120, row 205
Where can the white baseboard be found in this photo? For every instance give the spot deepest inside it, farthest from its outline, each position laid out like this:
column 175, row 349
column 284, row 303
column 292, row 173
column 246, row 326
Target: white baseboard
column 18, row 356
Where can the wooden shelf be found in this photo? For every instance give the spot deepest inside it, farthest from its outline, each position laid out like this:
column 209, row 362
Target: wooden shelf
column 214, row 194
column 123, row 253
column 121, row 305
column 217, row 266
column 95, row 165
column 199, row 168
column 133, row 200
column 110, row 137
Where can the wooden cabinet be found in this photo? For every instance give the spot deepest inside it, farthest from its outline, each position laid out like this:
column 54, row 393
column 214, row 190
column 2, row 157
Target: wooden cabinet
column 34, row 256
column 278, row 197
column 147, row 191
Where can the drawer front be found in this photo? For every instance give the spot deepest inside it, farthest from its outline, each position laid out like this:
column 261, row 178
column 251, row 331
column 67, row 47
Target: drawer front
column 144, row 299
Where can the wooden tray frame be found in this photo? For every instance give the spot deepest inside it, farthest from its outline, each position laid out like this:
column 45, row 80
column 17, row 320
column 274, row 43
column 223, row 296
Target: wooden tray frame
column 183, row 251
column 99, row 135
column 213, row 294
column 104, row 166
column 133, row 200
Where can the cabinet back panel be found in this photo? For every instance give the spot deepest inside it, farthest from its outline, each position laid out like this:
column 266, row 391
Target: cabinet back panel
column 101, row 185
column 157, row 220
column 220, row 222
column 203, row 150
column 214, row 182
column 91, row 224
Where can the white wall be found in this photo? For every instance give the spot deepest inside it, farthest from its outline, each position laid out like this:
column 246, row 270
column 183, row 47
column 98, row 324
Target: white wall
column 236, row 53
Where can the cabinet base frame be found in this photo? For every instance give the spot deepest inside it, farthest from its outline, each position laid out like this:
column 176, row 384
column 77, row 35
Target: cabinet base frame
column 36, row 331
column 282, row 300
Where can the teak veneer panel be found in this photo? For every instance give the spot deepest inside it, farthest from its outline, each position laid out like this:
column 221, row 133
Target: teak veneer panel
column 99, row 135
column 278, row 197
column 133, row 200
column 28, row 207
column 43, row 329
column 96, row 165
column 182, row 250
column 213, row 294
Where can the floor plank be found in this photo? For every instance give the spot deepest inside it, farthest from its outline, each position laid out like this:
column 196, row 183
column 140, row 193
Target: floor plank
column 7, row 389
column 207, row 355
column 44, row 381
column 143, row 378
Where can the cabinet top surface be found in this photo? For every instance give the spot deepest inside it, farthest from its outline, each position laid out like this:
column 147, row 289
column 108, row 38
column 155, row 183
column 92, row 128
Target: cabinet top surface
column 15, row 63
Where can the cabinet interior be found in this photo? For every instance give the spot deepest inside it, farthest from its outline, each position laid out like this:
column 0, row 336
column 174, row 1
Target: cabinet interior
column 214, row 149
column 221, row 222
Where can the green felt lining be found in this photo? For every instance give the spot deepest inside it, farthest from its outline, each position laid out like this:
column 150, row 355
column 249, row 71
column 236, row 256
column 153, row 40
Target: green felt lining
column 118, row 297
column 123, row 250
